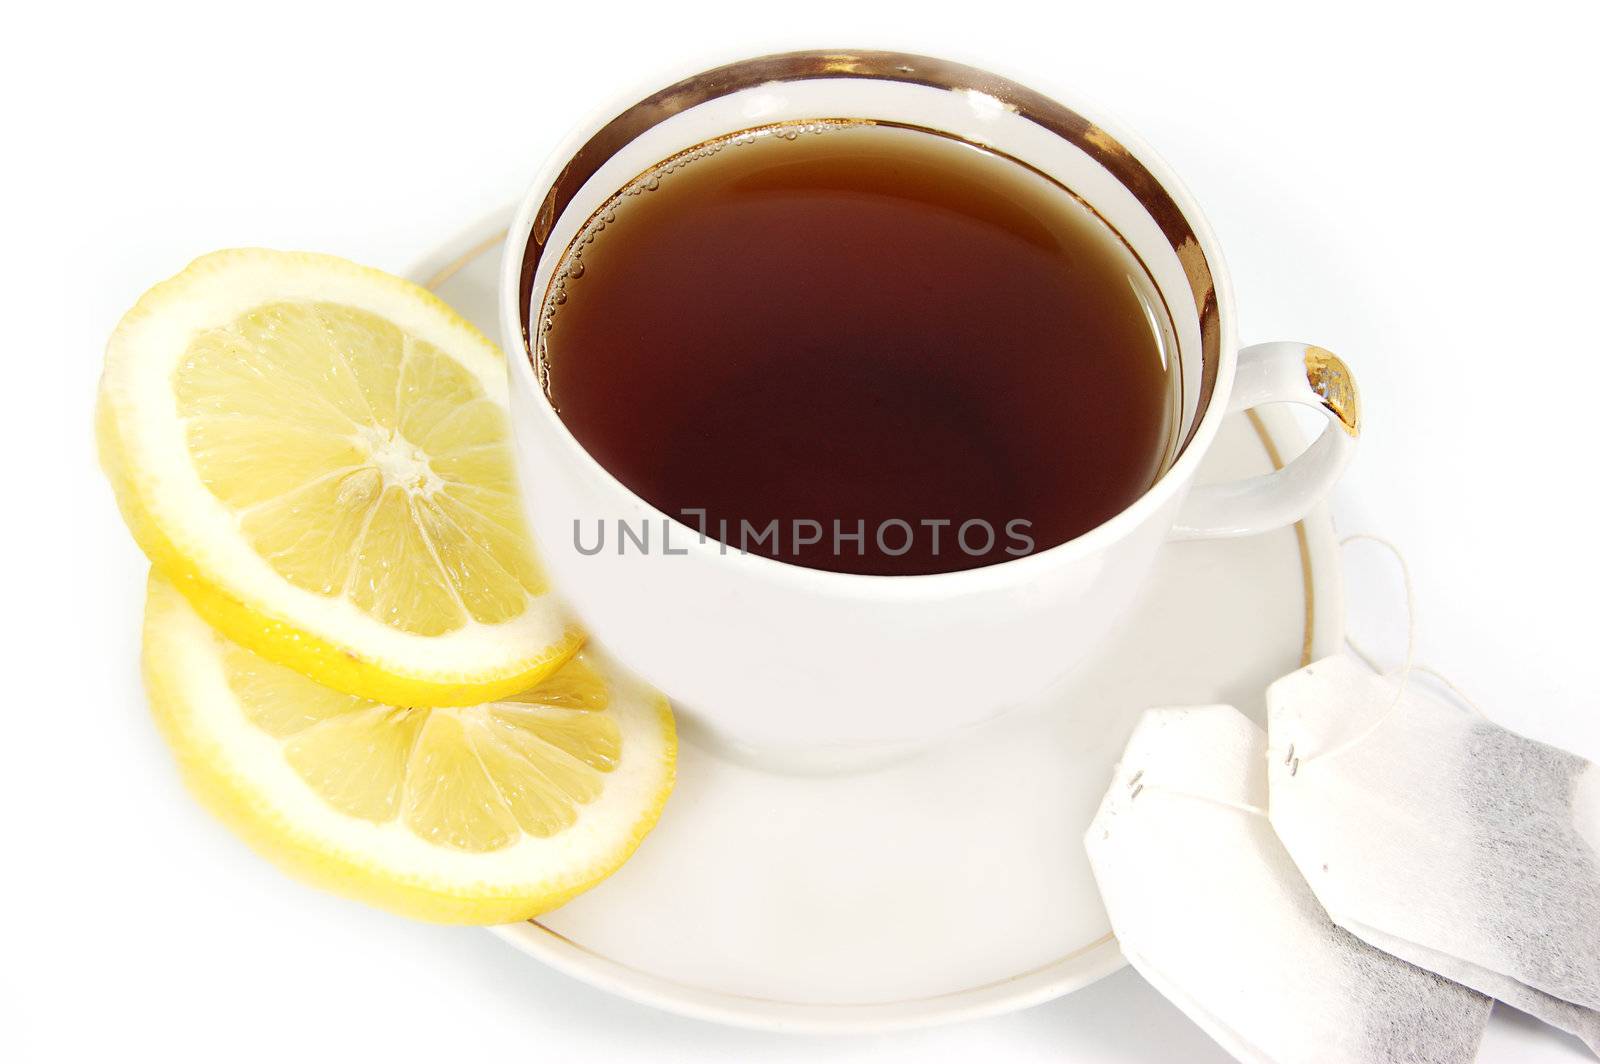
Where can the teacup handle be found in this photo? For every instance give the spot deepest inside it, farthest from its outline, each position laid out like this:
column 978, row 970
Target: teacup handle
column 1281, row 373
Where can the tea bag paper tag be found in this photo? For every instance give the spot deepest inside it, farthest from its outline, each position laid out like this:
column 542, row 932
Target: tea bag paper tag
column 1208, row 907
column 1442, row 838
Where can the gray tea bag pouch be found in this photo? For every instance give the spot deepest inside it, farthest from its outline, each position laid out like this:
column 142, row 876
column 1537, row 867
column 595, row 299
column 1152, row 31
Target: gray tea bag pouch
column 1442, row 838
column 1208, row 907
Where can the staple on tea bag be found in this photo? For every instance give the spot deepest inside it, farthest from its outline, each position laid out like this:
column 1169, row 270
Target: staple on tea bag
column 1209, row 908
column 1441, row 837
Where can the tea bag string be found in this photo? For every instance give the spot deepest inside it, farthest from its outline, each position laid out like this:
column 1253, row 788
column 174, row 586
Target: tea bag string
column 1404, row 669
column 1137, row 786
column 1365, row 657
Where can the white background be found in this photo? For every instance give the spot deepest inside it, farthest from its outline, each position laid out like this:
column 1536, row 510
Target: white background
column 1413, row 188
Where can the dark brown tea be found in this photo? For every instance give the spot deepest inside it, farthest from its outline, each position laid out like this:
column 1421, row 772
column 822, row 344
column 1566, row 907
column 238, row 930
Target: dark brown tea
column 863, row 348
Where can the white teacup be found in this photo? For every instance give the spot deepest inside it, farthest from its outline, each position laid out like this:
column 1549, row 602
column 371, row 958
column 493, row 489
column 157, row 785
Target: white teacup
column 811, row 665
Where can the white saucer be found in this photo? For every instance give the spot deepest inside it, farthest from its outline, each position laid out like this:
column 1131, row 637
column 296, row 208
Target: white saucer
column 952, row 885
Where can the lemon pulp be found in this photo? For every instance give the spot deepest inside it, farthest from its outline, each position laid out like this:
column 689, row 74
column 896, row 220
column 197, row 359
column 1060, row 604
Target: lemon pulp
column 476, row 814
column 318, row 455
column 316, row 409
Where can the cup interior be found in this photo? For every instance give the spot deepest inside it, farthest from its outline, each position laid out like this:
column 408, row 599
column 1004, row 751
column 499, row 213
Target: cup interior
column 959, row 101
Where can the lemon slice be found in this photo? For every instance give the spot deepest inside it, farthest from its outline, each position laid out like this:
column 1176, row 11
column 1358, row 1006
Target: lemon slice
column 317, row 454
column 478, row 814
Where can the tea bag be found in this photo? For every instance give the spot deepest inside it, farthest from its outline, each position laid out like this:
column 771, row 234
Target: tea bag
column 1438, row 836
column 1210, row 909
